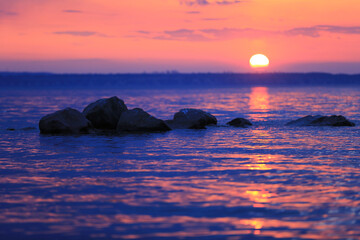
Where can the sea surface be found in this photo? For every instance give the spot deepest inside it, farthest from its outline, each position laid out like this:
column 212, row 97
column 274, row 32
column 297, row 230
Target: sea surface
column 269, row 181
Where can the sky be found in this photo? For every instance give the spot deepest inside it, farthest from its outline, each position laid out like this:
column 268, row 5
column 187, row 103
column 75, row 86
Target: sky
column 109, row 36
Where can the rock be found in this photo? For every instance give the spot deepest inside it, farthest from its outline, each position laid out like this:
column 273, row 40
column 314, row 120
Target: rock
column 105, row 113
column 304, row 121
column 137, row 120
column 239, row 122
column 191, row 119
column 65, row 121
column 318, row 120
column 28, row 128
column 333, row 120
column 22, row 129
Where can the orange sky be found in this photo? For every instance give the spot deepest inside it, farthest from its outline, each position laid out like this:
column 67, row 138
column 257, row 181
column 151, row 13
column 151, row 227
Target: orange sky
column 184, row 35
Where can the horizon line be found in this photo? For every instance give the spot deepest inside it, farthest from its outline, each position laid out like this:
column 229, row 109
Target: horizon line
column 169, row 72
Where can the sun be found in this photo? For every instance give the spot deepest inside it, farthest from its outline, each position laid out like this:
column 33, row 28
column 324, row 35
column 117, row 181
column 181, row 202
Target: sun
column 259, row 61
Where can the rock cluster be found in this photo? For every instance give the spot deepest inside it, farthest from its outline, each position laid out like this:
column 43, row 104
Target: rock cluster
column 111, row 114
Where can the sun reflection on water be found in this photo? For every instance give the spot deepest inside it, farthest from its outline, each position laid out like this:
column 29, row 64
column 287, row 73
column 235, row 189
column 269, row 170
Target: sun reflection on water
column 259, row 103
column 259, row 99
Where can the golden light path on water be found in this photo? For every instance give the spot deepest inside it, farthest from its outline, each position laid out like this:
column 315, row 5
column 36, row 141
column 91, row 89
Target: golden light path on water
column 259, row 102
column 267, row 181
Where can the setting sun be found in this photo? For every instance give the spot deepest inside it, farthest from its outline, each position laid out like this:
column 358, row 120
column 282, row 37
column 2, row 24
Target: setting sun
column 259, row 61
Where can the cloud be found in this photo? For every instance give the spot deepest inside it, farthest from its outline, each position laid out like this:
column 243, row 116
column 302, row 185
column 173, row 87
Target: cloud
column 23, row 4
column 194, row 2
column 72, row 11
column 214, row 19
column 182, row 34
column 74, row 33
column 218, row 34
column 315, row 31
column 230, row 33
column 209, row 34
column 193, row 12
column 143, row 32
column 224, row 2
column 8, row 13
column 82, row 34
column 209, row 2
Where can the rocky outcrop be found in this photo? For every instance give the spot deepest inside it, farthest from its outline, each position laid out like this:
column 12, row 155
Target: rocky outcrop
column 239, row 122
column 137, row 120
column 319, row 120
column 333, row 120
column 304, row 121
column 105, row 113
column 22, row 129
column 191, row 119
column 66, row 121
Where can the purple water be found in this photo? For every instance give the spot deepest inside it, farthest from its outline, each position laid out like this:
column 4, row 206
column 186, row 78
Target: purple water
column 269, row 181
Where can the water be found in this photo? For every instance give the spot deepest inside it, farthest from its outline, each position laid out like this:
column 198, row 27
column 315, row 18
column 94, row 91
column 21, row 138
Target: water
column 265, row 182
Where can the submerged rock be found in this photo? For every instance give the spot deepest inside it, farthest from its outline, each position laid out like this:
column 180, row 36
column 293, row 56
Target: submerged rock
column 137, row 120
column 66, row 121
column 319, row 120
column 239, row 122
column 105, row 113
column 191, row 119
column 22, row 129
column 28, row 128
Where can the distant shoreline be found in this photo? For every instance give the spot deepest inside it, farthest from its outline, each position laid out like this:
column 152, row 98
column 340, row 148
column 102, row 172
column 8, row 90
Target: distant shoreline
column 173, row 80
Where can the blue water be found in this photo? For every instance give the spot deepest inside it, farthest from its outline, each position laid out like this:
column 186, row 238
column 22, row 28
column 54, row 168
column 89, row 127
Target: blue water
column 269, row 181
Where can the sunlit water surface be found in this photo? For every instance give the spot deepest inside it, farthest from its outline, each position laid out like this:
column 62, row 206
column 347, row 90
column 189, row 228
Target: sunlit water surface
column 264, row 182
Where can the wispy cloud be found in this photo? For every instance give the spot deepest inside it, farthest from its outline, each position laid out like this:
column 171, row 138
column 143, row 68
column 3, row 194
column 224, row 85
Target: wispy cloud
column 144, row 32
column 82, row 34
column 209, row 34
column 217, row 34
column 230, row 33
column 8, row 13
column 72, row 11
column 209, row 2
column 224, row 2
column 194, row 2
column 315, row 31
column 214, row 19
column 193, row 12
column 74, row 33
column 182, row 34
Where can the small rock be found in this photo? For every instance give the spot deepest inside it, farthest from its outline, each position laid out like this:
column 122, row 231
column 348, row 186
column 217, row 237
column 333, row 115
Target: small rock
column 137, row 120
column 66, row 121
column 304, row 121
column 191, row 119
column 28, row 128
column 239, row 122
column 333, row 120
column 105, row 113
column 319, row 120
